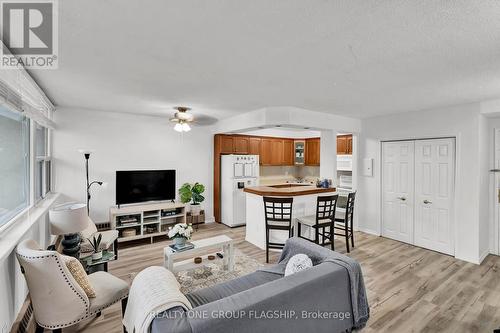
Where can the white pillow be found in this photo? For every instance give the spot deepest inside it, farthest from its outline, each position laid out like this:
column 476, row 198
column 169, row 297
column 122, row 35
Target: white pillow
column 297, row 263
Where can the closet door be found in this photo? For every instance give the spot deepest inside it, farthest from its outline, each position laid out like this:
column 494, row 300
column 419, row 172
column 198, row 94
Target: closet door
column 434, row 194
column 398, row 190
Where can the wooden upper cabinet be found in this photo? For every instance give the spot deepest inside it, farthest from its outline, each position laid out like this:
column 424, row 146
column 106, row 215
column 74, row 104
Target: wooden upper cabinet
column 288, row 152
column 254, row 146
column 265, row 151
column 312, row 152
column 276, row 152
column 349, row 145
column 240, row 144
column 226, row 144
column 344, row 144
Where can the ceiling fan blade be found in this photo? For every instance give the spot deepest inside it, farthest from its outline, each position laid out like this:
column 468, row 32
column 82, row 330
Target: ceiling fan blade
column 203, row 120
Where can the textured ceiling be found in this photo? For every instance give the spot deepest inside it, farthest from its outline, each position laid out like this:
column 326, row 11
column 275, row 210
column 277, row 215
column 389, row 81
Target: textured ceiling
column 223, row 57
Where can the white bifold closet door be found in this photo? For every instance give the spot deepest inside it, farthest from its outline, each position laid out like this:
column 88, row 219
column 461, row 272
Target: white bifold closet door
column 418, row 192
column 434, row 193
column 398, row 180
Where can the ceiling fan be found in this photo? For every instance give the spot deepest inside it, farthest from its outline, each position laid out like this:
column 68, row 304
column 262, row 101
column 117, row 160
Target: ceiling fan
column 183, row 119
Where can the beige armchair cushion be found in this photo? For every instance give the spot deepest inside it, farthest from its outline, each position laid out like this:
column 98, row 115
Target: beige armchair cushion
column 76, row 269
column 108, row 288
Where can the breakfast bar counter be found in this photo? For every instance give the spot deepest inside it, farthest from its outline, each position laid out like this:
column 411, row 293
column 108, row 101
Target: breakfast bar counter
column 304, row 203
column 287, row 190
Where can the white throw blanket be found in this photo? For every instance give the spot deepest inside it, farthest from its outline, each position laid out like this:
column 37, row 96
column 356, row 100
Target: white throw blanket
column 153, row 291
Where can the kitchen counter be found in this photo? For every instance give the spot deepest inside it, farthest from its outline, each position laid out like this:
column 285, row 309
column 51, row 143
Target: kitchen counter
column 288, row 190
column 304, row 203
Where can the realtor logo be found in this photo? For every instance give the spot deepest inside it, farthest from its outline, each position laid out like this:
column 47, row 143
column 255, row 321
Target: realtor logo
column 29, row 34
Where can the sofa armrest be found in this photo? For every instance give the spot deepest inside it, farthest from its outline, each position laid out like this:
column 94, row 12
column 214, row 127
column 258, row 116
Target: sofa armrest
column 283, row 305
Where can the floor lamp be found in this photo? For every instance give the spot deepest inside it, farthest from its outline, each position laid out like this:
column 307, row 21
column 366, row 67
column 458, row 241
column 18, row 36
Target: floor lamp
column 86, row 154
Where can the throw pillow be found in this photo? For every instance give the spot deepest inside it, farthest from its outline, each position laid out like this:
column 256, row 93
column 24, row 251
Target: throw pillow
column 76, row 269
column 298, row 263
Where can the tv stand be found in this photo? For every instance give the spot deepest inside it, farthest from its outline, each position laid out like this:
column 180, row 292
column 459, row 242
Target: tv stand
column 146, row 220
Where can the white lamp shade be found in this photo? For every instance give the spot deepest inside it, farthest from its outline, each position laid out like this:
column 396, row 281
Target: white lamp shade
column 68, row 218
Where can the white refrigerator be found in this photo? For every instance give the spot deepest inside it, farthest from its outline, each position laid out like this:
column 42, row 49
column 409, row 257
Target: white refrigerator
column 237, row 172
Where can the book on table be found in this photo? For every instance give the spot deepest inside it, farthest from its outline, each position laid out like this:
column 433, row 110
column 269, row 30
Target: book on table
column 180, row 248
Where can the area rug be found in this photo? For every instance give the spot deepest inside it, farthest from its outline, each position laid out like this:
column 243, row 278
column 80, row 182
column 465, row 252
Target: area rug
column 209, row 274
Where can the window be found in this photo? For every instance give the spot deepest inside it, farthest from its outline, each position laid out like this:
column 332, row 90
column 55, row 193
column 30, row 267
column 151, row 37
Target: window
column 14, row 164
column 42, row 162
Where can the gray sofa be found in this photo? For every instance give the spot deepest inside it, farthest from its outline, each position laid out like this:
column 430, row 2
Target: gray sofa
column 318, row 299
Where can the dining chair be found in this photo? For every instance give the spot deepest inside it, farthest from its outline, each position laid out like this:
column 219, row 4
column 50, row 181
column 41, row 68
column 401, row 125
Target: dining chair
column 322, row 223
column 344, row 222
column 278, row 216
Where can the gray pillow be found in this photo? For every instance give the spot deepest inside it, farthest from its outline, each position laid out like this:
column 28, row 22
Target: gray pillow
column 298, row 263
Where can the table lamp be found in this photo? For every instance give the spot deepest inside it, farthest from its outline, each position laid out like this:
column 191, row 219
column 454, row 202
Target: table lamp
column 69, row 219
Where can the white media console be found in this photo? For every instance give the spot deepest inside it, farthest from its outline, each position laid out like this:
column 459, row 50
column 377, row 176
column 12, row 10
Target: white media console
column 145, row 220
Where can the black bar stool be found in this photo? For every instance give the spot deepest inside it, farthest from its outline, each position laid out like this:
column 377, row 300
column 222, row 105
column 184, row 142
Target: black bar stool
column 323, row 222
column 344, row 223
column 278, row 214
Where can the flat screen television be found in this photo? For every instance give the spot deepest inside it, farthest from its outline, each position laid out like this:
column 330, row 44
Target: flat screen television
column 144, row 185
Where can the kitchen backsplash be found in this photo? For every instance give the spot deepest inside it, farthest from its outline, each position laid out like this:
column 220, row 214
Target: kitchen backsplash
column 282, row 174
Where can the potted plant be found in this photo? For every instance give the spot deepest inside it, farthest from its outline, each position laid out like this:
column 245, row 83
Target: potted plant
column 192, row 193
column 96, row 243
column 180, row 233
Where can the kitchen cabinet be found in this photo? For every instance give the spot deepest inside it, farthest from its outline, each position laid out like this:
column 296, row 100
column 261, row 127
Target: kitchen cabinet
column 276, row 152
column 288, row 152
column 240, row 145
column 265, row 151
column 226, row 144
column 254, row 146
column 312, row 151
column 344, row 145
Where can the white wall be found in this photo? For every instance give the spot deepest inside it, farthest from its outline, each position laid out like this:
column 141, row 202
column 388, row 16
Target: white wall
column 125, row 142
column 462, row 122
column 293, row 133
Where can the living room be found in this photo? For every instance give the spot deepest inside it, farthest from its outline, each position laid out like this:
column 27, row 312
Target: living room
column 289, row 166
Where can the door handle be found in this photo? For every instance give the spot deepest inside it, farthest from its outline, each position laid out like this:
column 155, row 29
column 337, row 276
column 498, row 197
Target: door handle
column 402, row 198
column 427, row 202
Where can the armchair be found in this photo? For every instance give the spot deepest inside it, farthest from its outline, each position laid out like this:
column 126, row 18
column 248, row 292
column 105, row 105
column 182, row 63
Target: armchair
column 109, row 238
column 58, row 300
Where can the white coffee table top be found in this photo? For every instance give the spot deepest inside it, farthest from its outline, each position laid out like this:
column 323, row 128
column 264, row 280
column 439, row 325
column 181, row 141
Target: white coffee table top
column 202, row 244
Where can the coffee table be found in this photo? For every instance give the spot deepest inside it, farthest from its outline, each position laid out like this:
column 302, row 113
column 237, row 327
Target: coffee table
column 221, row 243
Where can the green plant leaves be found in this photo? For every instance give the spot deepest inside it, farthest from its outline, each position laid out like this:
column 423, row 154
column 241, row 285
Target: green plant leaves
column 193, row 192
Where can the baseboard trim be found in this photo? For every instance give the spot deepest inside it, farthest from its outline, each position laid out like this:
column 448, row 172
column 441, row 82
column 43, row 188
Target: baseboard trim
column 368, row 231
column 483, row 256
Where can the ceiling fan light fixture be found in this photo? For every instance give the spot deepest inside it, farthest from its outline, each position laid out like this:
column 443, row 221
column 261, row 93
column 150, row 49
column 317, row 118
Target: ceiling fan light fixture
column 178, row 127
column 186, row 127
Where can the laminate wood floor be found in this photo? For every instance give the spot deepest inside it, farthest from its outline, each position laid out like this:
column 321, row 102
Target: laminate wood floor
column 410, row 289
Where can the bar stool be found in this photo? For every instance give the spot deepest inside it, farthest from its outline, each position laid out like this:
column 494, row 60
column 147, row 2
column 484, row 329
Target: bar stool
column 278, row 215
column 323, row 222
column 344, row 223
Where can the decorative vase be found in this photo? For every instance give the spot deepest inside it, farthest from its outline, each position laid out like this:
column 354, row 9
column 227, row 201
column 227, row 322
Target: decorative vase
column 195, row 209
column 97, row 255
column 180, row 241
